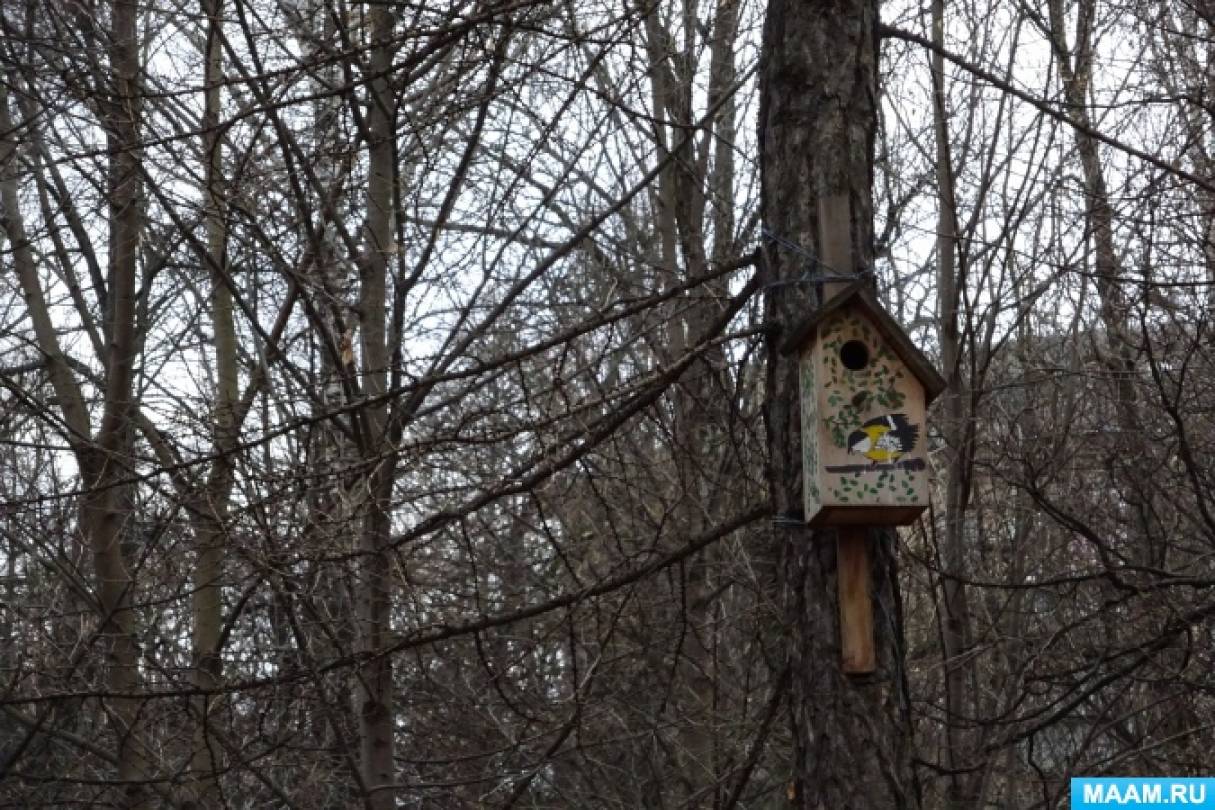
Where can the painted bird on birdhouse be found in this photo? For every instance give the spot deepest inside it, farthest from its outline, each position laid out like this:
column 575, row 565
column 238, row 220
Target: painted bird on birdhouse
column 884, row 438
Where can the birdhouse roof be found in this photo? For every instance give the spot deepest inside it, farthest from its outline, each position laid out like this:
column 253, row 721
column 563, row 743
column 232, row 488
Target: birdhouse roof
column 857, row 295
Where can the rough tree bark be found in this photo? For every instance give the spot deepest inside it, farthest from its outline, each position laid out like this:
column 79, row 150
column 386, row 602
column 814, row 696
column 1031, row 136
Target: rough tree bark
column 818, row 119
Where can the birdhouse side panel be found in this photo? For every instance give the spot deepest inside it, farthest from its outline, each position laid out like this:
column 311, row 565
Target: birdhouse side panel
column 811, row 472
column 871, row 412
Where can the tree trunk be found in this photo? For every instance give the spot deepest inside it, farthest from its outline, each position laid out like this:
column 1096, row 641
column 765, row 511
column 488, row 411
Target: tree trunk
column 375, row 677
column 685, row 188
column 818, row 119
column 206, row 603
column 104, row 468
column 958, row 431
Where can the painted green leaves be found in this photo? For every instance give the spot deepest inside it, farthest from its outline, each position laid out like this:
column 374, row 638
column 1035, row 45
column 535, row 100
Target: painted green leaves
column 853, row 392
column 865, row 487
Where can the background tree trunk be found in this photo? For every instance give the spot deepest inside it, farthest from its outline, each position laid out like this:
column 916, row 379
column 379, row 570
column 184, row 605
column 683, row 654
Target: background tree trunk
column 958, row 431
column 375, row 685
column 211, row 509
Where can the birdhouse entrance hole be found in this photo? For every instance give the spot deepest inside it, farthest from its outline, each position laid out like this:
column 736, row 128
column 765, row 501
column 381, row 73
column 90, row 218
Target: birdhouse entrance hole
column 854, row 355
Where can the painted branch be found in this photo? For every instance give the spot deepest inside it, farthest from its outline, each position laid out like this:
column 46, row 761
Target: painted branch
column 912, row 464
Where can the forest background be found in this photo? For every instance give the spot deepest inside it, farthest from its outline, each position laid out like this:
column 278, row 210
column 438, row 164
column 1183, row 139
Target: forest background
column 390, row 416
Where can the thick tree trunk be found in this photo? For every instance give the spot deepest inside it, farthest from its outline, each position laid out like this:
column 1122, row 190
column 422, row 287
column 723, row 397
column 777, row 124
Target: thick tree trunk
column 817, row 123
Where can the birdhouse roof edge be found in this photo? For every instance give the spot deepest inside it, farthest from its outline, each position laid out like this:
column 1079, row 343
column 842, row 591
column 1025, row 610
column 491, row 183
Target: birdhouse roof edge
column 803, row 331
column 890, row 329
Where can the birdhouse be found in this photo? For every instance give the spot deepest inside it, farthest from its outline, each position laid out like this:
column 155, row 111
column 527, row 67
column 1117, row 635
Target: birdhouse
column 864, row 392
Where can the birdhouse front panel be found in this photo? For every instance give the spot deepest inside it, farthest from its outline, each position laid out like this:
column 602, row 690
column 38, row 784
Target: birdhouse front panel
column 863, row 426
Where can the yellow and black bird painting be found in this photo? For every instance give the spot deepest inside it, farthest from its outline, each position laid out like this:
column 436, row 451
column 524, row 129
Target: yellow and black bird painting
column 884, row 438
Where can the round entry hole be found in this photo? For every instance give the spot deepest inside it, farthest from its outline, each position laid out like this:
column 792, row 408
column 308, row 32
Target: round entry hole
column 854, row 355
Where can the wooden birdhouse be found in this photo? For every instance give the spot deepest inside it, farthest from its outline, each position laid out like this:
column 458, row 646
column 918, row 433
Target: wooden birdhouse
column 864, row 392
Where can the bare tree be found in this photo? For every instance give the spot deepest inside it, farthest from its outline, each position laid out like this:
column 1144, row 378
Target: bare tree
column 391, row 411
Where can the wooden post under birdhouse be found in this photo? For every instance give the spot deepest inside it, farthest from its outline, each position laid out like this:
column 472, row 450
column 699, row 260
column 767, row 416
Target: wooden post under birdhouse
column 857, row 650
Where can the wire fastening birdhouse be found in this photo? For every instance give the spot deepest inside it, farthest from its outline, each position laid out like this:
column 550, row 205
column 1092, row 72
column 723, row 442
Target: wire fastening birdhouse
column 865, row 389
